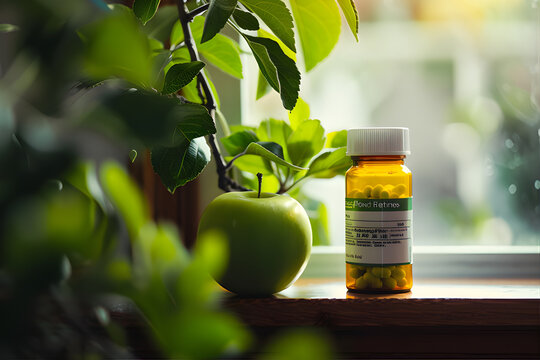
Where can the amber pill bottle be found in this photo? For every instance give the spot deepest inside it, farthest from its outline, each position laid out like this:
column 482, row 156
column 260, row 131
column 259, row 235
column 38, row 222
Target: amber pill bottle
column 378, row 211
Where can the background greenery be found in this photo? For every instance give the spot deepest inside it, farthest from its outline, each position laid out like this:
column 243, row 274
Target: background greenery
column 85, row 86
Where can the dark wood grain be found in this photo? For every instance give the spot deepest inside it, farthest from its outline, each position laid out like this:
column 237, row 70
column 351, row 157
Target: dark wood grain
column 387, row 312
column 483, row 320
column 477, row 319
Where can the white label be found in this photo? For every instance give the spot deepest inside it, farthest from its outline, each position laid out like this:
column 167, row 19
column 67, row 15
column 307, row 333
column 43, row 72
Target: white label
column 383, row 236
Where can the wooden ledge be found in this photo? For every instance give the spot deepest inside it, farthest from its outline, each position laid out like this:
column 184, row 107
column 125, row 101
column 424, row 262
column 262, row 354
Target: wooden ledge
column 450, row 318
column 430, row 303
column 439, row 319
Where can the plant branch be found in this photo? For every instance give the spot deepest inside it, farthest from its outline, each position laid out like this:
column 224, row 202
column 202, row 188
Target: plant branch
column 205, row 93
column 197, row 11
column 229, row 165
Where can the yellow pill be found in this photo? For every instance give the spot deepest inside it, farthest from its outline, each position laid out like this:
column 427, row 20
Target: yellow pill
column 354, row 194
column 376, row 284
column 394, row 195
column 385, row 194
column 369, row 276
column 389, row 188
column 389, row 283
column 400, row 189
column 398, row 273
column 355, row 272
column 402, row 282
column 361, row 283
column 381, row 272
column 372, row 280
column 367, row 191
column 391, row 267
column 376, row 192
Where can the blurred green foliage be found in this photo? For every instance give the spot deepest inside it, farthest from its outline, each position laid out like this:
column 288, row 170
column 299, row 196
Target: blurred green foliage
column 79, row 84
column 61, row 257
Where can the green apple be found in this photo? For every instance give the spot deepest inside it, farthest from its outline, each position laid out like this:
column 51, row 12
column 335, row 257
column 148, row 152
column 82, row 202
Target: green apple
column 269, row 240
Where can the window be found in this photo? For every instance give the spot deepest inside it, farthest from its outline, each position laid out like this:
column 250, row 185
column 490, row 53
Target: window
column 465, row 78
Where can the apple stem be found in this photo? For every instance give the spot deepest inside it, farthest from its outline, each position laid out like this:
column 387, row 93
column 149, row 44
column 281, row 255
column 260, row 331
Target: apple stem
column 259, row 176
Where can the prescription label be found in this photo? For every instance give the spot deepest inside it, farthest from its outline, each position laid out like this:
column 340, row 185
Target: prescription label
column 378, row 231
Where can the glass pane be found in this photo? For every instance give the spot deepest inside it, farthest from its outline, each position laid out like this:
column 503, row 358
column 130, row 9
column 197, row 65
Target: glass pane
column 464, row 77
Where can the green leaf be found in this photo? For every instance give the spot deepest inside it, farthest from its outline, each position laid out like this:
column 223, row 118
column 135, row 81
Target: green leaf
column 273, row 147
column 330, row 164
column 336, row 139
column 305, row 142
column 180, row 55
column 177, row 35
column 265, row 34
column 191, row 94
column 299, row 114
column 318, row 23
column 201, row 334
column 125, row 196
column 154, row 119
column 115, row 46
column 262, row 86
column 351, row 15
column 193, row 121
column 217, row 16
column 275, row 14
column 160, row 26
column 224, row 53
column 145, row 9
column 253, row 164
column 237, row 128
column 221, row 51
column 318, row 218
column 287, row 72
column 160, row 61
column 155, row 45
column 160, row 250
column 277, row 131
column 266, row 67
column 245, row 20
column 5, row 28
column 182, row 163
column 180, row 75
column 239, row 141
column 269, row 151
column 298, row 344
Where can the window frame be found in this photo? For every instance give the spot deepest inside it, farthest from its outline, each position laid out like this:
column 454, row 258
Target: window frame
column 461, row 261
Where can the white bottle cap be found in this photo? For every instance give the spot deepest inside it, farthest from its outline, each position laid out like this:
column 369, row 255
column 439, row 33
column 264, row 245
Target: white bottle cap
column 378, row 141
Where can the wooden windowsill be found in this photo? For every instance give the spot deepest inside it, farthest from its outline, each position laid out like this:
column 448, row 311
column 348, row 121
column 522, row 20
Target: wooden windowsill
column 439, row 319
column 449, row 318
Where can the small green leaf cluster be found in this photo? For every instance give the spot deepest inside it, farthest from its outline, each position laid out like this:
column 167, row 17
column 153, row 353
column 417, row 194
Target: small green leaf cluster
column 287, row 152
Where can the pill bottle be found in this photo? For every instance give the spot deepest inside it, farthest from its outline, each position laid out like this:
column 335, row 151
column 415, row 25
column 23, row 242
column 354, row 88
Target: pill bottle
column 378, row 211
